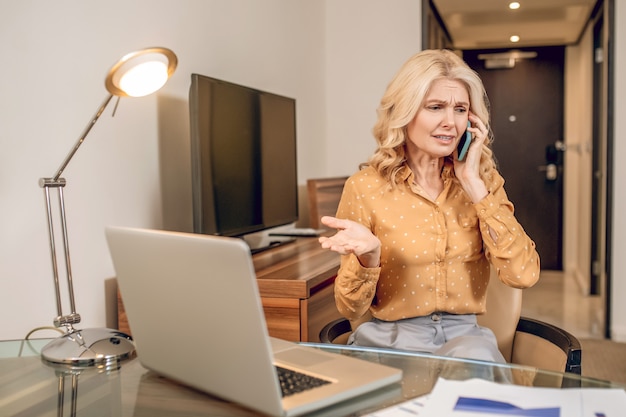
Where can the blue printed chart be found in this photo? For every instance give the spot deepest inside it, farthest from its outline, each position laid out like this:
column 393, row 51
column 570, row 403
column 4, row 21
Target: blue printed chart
column 481, row 398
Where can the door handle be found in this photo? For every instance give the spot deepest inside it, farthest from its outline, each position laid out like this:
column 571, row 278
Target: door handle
column 551, row 171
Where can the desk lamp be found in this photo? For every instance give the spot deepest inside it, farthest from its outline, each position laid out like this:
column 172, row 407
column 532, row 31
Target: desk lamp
column 135, row 75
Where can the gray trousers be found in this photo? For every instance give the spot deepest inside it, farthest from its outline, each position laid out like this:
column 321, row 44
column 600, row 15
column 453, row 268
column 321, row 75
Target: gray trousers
column 441, row 334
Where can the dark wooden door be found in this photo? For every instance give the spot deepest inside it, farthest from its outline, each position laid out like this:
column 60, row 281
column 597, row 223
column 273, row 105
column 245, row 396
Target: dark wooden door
column 527, row 121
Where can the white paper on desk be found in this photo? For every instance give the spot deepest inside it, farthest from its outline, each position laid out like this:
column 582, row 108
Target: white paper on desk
column 530, row 401
column 601, row 402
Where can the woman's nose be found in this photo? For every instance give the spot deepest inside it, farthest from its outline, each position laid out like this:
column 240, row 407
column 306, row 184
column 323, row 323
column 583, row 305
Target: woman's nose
column 448, row 118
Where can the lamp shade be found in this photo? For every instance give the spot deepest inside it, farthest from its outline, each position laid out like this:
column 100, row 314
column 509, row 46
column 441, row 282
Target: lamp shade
column 141, row 73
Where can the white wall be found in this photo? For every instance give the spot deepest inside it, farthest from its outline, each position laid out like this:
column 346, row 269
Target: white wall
column 618, row 282
column 55, row 57
column 367, row 42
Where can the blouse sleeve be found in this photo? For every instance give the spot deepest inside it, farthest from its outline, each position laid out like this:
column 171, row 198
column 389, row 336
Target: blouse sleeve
column 513, row 252
column 355, row 285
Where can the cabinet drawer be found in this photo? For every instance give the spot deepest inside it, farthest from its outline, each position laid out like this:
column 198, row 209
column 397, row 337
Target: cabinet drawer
column 283, row 317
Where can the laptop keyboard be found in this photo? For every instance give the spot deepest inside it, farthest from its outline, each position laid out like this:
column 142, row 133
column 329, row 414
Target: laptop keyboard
column 292, row 382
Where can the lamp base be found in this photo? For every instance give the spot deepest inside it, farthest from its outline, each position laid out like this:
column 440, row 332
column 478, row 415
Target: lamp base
column 89, row 347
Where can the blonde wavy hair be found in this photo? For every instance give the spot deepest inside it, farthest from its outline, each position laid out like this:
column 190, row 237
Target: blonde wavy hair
column 404, row 97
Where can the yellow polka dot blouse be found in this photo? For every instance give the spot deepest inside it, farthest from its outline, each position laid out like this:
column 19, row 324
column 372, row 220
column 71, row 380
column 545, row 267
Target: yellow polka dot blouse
column 435, row 255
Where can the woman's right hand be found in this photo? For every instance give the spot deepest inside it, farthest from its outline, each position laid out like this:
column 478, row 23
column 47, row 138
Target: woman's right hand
column 352, row 237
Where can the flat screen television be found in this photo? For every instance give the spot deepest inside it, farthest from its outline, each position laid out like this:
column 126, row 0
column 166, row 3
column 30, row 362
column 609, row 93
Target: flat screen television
column 243, row 158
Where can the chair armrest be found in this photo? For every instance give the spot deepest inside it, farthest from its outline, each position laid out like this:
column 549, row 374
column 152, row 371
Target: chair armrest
column 334, row 329
column 561, row 339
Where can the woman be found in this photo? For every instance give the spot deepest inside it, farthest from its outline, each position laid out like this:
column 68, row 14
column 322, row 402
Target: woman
column 418, row 229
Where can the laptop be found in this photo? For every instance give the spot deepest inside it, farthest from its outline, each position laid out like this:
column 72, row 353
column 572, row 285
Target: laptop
column 194, row 308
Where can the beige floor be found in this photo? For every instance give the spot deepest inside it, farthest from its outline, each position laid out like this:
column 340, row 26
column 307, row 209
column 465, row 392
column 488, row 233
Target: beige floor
column 557, row 299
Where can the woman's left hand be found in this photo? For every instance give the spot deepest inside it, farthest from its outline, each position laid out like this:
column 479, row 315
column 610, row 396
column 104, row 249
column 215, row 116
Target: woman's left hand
column 352, row 237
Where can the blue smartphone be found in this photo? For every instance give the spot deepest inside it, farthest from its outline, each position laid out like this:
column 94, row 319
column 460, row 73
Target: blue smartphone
column 464, row 143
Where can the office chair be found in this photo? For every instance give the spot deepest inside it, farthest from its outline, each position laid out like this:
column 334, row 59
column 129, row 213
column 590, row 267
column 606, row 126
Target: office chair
column 521, row 340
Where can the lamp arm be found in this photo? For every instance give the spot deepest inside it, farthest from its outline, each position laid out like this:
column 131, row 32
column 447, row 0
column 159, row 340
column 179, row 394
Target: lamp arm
column 82, row 137
column 58, row 183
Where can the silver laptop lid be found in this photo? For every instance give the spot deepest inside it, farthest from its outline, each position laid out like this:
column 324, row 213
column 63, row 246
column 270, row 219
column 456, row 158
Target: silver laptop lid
column 195, row 312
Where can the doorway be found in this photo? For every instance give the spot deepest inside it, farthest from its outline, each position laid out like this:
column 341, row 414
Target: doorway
column 591, row 266
column 527, row 105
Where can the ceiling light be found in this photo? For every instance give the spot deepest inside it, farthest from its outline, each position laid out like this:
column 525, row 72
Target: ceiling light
column 514, row 5
column 514, row 38
column 505, row 59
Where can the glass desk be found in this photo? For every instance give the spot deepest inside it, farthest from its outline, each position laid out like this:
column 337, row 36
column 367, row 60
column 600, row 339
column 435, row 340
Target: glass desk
column 29, row 387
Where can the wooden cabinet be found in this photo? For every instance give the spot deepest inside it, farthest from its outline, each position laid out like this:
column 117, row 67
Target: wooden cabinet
column 296, row 287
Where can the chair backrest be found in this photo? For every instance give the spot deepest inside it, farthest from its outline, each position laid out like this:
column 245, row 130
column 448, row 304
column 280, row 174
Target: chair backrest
column 324, row 195
column 504, row 307
column 524, row 340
